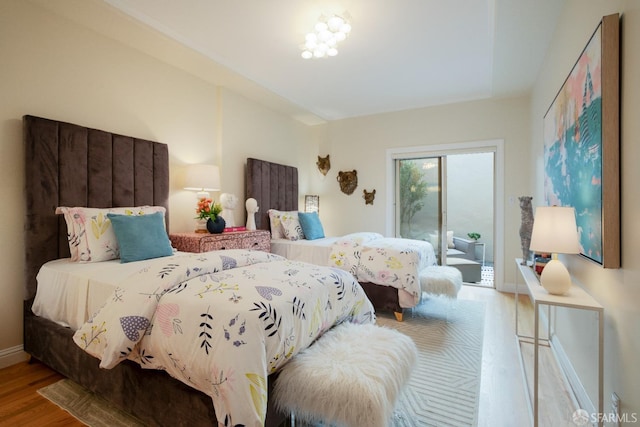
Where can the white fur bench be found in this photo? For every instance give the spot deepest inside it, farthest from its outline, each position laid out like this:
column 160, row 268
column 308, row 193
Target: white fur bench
column 351, row 376
column 441, row 280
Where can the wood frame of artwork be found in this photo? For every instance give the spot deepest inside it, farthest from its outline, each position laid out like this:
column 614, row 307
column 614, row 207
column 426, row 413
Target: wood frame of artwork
column 582, row 145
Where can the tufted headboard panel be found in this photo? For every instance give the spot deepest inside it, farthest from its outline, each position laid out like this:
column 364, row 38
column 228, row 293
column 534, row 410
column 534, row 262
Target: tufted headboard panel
column 71, row 165
column 274, row 186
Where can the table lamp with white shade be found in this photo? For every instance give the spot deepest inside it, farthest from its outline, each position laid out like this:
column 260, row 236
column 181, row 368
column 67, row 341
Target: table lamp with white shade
column 555, row 232
column 202, row 178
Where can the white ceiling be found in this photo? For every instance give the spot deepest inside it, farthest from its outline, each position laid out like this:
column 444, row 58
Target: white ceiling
column 401, row 54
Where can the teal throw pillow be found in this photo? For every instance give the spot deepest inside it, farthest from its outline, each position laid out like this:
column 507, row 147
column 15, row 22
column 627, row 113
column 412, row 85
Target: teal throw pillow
column 141, row 236
column 311, row 225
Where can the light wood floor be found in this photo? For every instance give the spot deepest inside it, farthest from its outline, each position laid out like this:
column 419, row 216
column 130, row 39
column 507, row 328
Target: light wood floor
column 502, row 396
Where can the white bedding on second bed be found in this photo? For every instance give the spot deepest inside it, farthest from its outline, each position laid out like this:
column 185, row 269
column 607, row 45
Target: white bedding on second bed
column 312, row 251
column 369, row 257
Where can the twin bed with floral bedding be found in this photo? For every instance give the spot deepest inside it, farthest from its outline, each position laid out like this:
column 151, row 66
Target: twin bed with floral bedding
column 385, row 261
column 220, row 321
column 371, row 258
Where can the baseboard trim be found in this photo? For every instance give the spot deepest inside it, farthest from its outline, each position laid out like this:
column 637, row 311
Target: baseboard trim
column 578, row 392
column 12, row 355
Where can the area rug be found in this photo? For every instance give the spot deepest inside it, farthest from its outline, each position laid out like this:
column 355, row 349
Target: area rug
column 87, row 407
column 444, row 388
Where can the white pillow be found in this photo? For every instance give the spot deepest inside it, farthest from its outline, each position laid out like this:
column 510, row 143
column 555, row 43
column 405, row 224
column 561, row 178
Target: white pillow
column 275, row 223
column 90, row 234
column 291, row 226
column 450, row 244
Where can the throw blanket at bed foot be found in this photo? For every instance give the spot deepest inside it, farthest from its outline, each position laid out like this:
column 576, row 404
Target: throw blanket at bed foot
column 385, row 261
column 221, row 322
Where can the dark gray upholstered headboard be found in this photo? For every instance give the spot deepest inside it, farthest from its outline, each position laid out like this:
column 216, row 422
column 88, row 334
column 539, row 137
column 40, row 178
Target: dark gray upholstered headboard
column 274, row 186
column 70, row 165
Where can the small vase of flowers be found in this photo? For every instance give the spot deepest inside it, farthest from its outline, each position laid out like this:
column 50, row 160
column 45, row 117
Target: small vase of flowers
column 209, row 212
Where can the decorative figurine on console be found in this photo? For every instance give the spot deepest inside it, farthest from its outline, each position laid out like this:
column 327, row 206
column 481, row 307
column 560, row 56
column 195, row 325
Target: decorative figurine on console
column 526, row 227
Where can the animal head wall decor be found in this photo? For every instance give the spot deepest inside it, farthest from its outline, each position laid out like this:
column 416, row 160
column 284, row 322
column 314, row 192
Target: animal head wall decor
column 348, row 181
column 324, row 164
column 368, row 196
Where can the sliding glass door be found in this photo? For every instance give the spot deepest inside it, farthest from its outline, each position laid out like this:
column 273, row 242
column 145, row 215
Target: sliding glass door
column 447, row 199
column 421, row 207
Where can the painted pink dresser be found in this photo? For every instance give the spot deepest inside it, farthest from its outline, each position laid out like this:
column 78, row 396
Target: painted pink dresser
column 204, row 242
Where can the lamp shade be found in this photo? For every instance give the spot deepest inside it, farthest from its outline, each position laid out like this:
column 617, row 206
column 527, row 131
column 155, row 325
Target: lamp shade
column 202, row 178
column 555, row 230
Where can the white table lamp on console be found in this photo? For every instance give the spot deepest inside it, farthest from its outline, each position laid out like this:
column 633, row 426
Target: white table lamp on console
column 554, row 232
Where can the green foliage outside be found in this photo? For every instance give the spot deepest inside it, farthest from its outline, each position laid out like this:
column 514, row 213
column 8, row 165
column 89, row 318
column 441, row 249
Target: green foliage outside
column 413, row 190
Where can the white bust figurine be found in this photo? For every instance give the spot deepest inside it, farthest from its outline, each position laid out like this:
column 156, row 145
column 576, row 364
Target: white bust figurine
column 228, row 202
column 252, row 208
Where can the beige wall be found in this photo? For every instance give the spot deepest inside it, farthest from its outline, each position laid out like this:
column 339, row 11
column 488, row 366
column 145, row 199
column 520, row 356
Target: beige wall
column 57, row 69
column 618, row 290
column 249, row 130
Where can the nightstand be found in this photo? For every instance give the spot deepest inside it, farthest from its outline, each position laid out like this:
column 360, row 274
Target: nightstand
column 203, row 242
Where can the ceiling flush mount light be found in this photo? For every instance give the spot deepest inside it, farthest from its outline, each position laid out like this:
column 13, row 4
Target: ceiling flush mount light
column 326, row 35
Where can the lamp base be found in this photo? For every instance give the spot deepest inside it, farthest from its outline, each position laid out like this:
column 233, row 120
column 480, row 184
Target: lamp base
column 555, row 278
column 201, row 226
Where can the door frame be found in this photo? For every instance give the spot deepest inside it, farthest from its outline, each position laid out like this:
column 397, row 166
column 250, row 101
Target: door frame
column 494, row 145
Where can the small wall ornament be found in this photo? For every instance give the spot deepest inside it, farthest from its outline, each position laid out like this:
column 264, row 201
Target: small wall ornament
column 368, row 196
column 348, row 181
column 324, row 164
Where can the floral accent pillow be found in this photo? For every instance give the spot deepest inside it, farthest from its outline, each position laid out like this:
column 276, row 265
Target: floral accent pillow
column 277, row 231
column 90, row 233
column 291, row 226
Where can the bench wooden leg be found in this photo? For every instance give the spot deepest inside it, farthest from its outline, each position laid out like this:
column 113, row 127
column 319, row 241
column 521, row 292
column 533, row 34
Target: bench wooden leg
column 398, row 316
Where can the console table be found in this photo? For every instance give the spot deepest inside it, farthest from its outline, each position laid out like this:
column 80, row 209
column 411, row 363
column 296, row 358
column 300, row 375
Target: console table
column 576, row 298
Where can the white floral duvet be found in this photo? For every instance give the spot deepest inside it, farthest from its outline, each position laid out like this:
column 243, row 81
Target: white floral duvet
column 385, row 261
column 222, row 321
